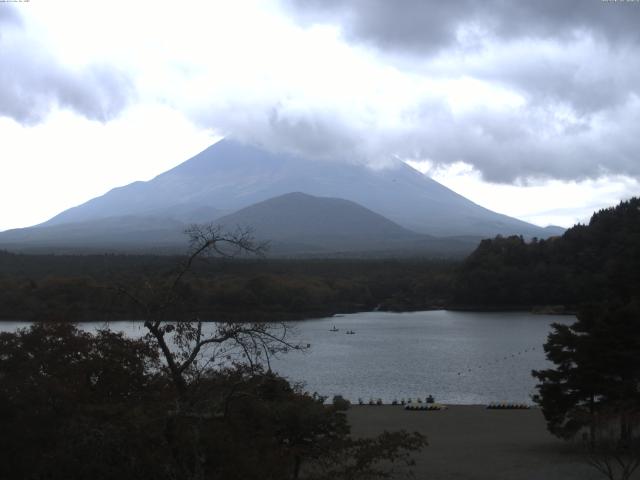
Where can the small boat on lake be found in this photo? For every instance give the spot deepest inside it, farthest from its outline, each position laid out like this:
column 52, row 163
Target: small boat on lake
column 350, row 332
column 334, row 329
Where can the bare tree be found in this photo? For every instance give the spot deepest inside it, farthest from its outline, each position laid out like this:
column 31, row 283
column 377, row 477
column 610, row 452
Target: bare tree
column 188, row 345
column 191, row 348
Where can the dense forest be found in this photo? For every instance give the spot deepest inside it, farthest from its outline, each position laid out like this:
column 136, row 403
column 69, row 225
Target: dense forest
column 592, row 391
column 589, row 263
column 77, row 288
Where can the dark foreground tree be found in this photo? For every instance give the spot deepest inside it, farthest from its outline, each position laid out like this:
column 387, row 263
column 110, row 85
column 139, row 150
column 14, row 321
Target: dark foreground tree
column 616, row 459
column 192, row 351
column 594, row 388
column 191, row 400
column 75, row 405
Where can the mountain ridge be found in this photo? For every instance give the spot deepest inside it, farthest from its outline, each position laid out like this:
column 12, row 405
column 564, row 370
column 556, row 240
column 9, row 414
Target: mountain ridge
column 229, row 175
column 302, row 223
column 295, row 224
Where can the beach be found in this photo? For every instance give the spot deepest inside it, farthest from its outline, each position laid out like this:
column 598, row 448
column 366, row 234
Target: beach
column 472, row 442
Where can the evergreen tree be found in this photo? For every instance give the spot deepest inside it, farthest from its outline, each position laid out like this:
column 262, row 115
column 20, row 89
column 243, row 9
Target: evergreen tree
column 596, row 371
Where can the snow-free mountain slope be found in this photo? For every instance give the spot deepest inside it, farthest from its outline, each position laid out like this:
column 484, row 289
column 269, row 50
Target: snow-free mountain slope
column 292, row 224
column 304, row 222
column 123, row 233
column 230, row 175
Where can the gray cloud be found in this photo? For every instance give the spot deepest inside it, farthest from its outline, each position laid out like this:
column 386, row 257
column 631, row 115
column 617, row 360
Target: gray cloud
column 575, row 64
column 33, row 81
column 9, row 16
column 582, row 53
column 585, row 76
column 518, row 145
column 529, row 144
column 422, row 26
column 312, row 133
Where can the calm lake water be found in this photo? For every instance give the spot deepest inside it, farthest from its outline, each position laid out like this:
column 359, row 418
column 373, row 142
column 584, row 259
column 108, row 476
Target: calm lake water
column 458, row 357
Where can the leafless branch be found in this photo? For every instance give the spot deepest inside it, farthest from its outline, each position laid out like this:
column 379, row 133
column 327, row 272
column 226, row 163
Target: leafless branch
column 182, row 342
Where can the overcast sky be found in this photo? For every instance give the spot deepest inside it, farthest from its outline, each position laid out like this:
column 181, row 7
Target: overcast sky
column 530, row 108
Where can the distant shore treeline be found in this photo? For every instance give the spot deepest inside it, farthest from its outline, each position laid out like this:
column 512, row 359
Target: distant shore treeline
column 589, row 263
column 82, row 288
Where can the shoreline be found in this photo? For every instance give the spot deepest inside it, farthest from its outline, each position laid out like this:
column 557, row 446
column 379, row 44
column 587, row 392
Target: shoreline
column 316, row 315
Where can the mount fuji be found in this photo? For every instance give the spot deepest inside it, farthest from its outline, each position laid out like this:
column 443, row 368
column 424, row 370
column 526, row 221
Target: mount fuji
column 229, row 176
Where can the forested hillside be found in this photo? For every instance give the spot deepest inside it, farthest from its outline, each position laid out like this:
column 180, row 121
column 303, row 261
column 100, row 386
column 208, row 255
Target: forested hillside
column 589, row 263
column 82, row 288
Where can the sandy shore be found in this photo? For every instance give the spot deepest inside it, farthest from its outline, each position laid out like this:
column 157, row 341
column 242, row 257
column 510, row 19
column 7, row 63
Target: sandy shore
column 471, row 442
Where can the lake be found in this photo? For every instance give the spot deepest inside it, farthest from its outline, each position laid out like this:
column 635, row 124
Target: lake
column 458, row 357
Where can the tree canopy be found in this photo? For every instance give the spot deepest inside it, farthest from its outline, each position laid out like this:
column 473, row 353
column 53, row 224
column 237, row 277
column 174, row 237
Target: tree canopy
column 76, row 405
column 595, row 262
column 596, row 367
